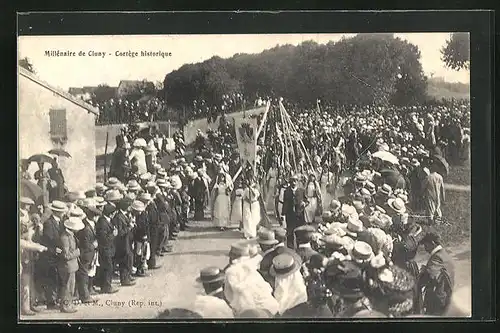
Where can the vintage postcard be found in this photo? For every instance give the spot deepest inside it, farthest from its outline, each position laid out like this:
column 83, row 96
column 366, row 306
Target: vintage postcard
column 244, row 176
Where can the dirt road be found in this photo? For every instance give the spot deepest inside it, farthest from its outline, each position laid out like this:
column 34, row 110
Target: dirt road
column 174, row 283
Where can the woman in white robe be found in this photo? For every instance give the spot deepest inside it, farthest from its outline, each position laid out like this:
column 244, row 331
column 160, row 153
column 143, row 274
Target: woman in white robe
column 137, row 157
column 221, row 202
column 270, row 189
column 251, row 211
column 313, row 195
column 327, row 185
column 237, row 207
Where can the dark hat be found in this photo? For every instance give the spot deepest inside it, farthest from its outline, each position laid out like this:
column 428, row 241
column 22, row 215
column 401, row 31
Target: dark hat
column 124, row 203
column 431, row 235
column 304, row 233
column 346, row 279
column 397, row 286
column 108, row 209
column 285, row 264
column 316, row 261
column 90, row 193
column 210, row 275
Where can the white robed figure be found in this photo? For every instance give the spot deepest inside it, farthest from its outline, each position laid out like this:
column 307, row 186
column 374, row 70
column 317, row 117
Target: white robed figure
column 251, row 211
column 270, row 189
column 221, row 202
column 327, row 186
column 313, row 194
column 237, row 207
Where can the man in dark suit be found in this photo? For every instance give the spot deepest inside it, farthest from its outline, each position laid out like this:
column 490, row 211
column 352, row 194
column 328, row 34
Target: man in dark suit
column 303, row 235
column 105, row 234
column 199, row 189
column 55, row 173
column 294, row 202
column 437, row 278
column 87, row 243
column 50, row 238
column 124, row 255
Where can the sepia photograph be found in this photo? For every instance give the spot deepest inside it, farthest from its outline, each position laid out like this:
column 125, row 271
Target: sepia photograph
column 244, row 176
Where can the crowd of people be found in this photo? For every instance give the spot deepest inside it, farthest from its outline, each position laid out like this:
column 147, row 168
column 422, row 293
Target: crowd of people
column 339, row 247
column 120, row 111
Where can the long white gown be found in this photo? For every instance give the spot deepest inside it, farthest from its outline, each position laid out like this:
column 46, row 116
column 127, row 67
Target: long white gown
column 221, row 206
column 271, row 190
column 312, row 196
column 327, row 183
column 251, row 212
column 237, row 208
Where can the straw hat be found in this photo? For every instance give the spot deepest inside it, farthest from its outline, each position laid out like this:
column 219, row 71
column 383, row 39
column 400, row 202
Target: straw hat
column 113, row 195
column 210, row 275
column 146, row 177
column 145, row 197
column 26, row 201
column 151, row 185
column 397, row 205
column 138, row 206
column 285, row 264
column 362, row 252
column 354, row 226
column 99, row 201
column 113, row 182
column 58, row 206
column 77, row 212
column 239, row 249
column 385, row 189
column 74, row 223
column 133, row 185
column 267, row 237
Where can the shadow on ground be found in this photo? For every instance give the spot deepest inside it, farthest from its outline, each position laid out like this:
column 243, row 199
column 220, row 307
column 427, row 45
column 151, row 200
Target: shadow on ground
column 229, row 234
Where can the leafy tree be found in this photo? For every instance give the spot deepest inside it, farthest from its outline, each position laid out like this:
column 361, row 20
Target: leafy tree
column 456, row 52
column 365, row 69
column 26, row 64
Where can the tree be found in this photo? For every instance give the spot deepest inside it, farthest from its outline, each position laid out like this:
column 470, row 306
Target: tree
column 26, row 64
column 456, row 52
column 365, row 69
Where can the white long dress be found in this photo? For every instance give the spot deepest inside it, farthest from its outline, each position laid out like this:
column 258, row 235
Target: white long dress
column 138, row 158
column 327, row 191
column 251, row 212
column 237, row 208
column 271, row 190
column 221, row 207
column 312, row 197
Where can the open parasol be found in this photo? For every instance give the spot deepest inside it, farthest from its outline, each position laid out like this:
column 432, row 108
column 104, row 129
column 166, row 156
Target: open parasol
column 59, row 152
column 441, row 162
column 386, row 156
column 41, row 158
column 31, row 190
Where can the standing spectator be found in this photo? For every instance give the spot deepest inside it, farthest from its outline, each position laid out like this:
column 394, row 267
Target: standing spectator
column 434, row 195
column 68, row 262
column 58, row 191
column 294, row 202
column 437, row 277
column 105, row 234
column 124, row 254
column 87, row 243
column 49, row 259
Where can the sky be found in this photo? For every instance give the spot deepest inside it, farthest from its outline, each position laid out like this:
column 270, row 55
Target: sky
column 79, row 71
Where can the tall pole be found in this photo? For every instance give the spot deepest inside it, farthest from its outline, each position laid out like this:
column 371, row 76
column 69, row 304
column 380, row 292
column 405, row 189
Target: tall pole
column 106, row 156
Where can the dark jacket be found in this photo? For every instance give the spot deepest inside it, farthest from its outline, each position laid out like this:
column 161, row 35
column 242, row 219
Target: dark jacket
column 51, row 239
column 306, row 310
column 105, row 237
column 438, row 277
column 305, row 253
column 123, row 241
column 142, row 227
column 86, row 238
column 292, row 208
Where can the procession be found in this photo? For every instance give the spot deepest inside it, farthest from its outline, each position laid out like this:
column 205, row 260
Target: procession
column 331, row 204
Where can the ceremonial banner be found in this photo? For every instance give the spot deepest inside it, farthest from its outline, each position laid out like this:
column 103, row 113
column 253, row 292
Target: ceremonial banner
column 246, row 136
